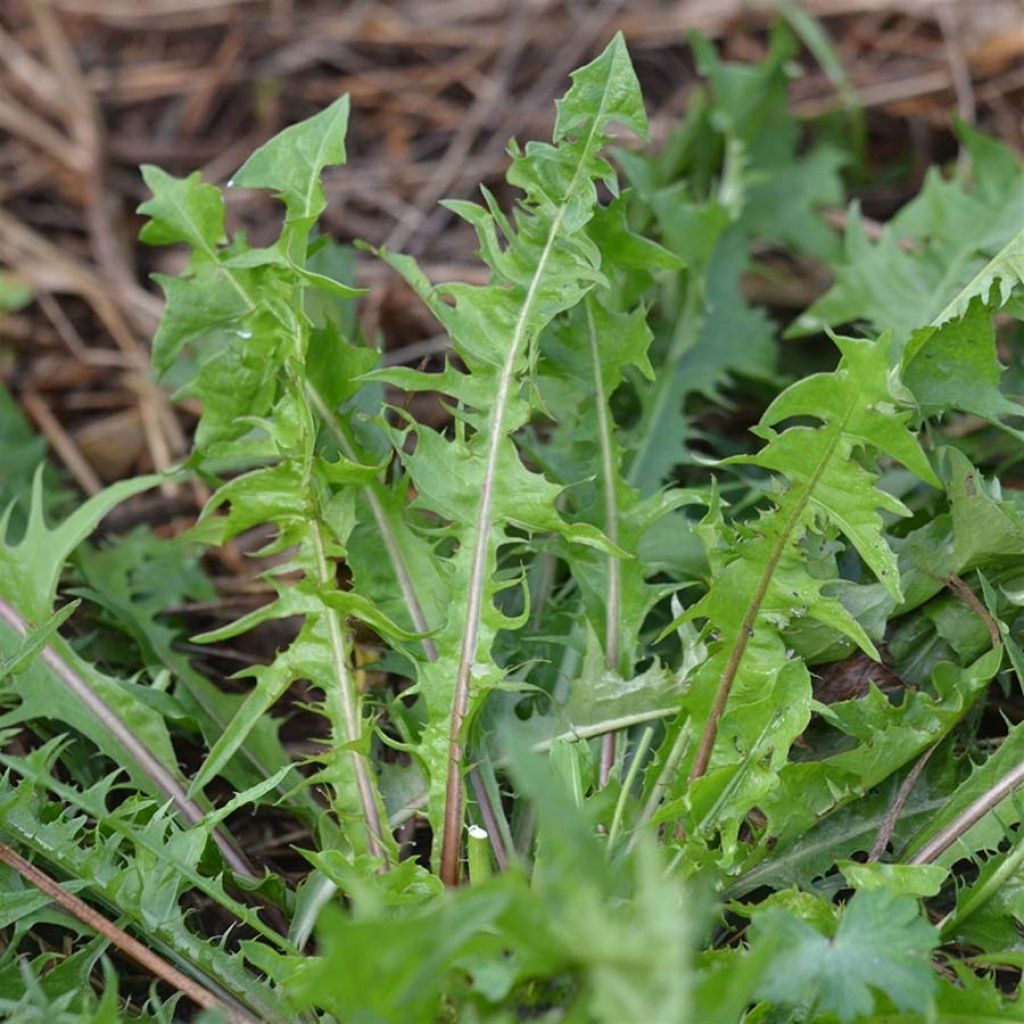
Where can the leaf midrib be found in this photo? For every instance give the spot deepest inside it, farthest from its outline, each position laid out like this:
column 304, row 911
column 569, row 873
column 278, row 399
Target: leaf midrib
column 484, row 524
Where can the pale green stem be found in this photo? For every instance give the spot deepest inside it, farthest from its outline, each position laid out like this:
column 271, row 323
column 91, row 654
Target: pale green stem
column 478, row 852
column 493, row 822
column 627, row 787
column 344, row 703
column 387, row 535
column 611, row 526
column 667, row 775
column 454, row 792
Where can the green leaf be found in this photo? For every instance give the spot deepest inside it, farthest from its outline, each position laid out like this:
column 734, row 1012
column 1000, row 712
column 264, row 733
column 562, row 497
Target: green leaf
column 888, row 736
column 1002, row 275
column 292, row 161
column 948, row 246
column 989, row 911
column 955, row 366
column 859, row 397
column 881, row 945
column 142, row 874
column 503, row 578
column 988, row 528
column 30, row 569
column 765, row 581
column 902, row 879
column 198, row 307
column 987, row 834
column 22, row 450
column 449, row 476
column 620, row 925
column 547, row 265
column 182, row 210
column 132, row 579
column 245, row 306
column 733, row 174
column 600, row 701
column 395, row 969
column 34, row 641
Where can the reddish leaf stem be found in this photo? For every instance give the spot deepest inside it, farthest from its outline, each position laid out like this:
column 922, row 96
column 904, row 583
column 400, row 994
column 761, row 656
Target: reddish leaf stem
column 131, row 947
column 137, row 750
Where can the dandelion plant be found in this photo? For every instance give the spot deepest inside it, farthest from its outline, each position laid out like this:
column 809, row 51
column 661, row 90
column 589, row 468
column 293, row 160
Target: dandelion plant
column 706, row 711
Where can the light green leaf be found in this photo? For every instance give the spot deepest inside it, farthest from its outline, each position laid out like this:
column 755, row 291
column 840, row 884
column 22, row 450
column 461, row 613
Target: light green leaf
column 882, row 944
column 292, row 161
column 1003, row 275
column 955, row 367
column 951, row 244
column 34, row 641
column 30, row 569
column 182, row 210
column 905, row 879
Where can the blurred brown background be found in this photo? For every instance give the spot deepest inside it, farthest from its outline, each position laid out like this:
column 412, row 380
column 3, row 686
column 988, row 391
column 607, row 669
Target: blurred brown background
column 89, row 89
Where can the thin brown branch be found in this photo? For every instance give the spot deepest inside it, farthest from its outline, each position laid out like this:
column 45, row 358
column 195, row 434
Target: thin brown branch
column 964, row 592
column 30, row 75
column 949, row 18
column 118, row 937
column 68, row 333
column 84, row 124
column 204, row 90
column 145, row 957
column 66, row 449
column 18, row 120
column 880, row 94
column 892, row 815
column 47, row 267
